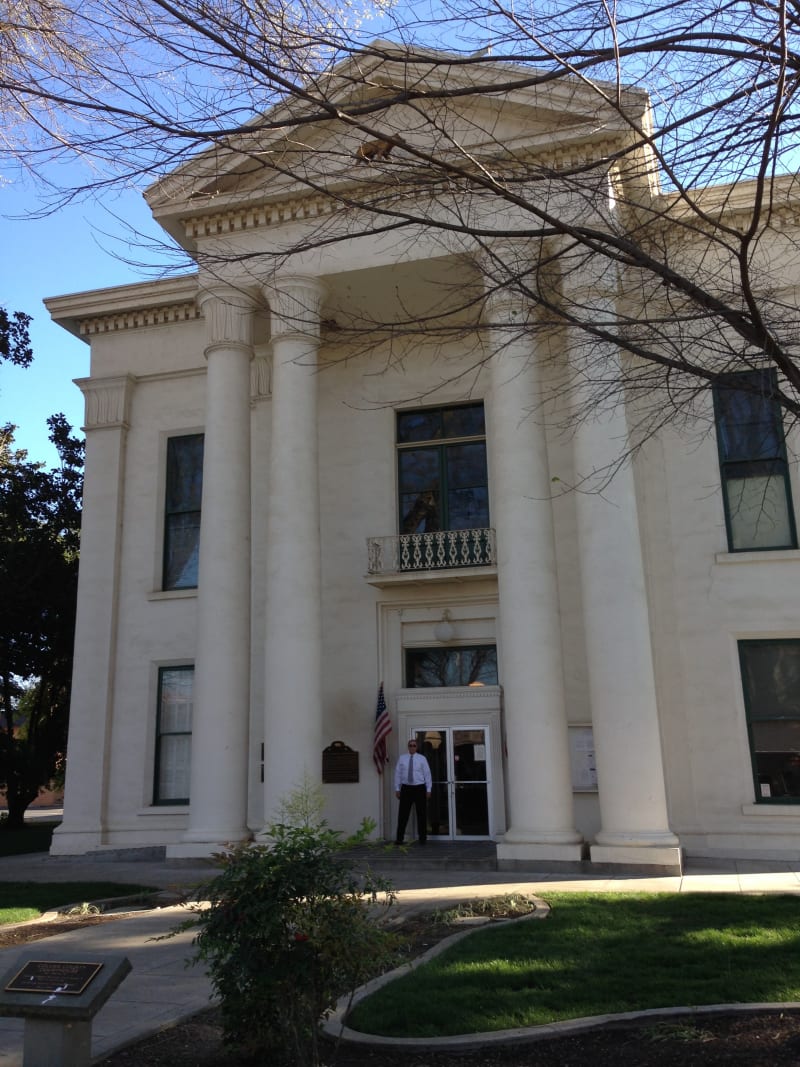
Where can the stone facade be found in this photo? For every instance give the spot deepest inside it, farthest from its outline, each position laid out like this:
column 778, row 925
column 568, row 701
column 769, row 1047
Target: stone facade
column 615, row 728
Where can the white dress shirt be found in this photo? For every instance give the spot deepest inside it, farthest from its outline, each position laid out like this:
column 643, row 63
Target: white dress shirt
column 420, row 772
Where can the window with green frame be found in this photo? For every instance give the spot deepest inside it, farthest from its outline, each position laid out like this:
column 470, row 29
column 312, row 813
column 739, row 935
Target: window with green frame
column 771, row 683
column 464, row 665
column 752, row 458
column 173, row 735
column 442, row 475
column 184, row 490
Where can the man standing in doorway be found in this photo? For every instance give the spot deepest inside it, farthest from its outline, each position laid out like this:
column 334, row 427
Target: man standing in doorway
column 412, row 786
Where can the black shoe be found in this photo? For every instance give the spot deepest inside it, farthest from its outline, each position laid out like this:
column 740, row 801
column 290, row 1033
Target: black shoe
column 398, row 844
column 423, row 842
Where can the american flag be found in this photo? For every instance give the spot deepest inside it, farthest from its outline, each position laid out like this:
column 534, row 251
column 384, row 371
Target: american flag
column 383, row 727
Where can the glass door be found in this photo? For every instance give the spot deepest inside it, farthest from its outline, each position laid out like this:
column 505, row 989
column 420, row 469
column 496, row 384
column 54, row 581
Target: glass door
column 459, row 762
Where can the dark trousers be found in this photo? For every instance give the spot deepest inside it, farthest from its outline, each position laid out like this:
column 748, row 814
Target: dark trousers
column 412, row 796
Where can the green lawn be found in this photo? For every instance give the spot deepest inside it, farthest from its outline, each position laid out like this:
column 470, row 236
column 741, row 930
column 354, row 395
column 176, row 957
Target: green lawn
column 599, row 953
column 26, row 900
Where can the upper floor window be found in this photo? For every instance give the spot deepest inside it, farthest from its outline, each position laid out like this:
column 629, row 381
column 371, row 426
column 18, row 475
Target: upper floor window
column 752, row 457
column 182, row 511
column 174, row 735
column 771, row 681
column 441, row 460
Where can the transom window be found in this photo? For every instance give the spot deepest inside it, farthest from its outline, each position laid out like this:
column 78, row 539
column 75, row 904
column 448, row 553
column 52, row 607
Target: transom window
column 442, row 477
column 752, row 456
column 182, row 511
column 174, row 735
column 431, row 667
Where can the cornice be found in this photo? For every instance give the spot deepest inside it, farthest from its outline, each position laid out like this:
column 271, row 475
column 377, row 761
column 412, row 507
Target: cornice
column 250, row 215
column 138, row 319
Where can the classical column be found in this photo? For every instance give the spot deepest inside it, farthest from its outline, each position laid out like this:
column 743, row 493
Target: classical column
column 218, row 790
column 538, row 784
column 293, row 652
column 86, row 794
column 633, row 807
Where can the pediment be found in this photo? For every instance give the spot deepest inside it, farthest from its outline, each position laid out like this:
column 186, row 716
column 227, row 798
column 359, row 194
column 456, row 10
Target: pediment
column 493, row 112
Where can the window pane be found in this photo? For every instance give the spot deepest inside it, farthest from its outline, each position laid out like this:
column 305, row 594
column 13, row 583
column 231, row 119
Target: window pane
column 419, row 470
column 771, row 677
column 465, row 421
column 466, row 465
column 184, row 473
column 174, row 766
column 181, row 550
column 176, row 701
column 182, row 511
column 758, row 512
column 776, row 754
column 771, row 681
column 758, row 505
column 748, row 418
column 420, row 513
column 434, row 667
column 468, row 509
column 174, row 737
column 419, row 425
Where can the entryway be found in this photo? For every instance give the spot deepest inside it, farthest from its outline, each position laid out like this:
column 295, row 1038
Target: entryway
column 458, row 729
column 459, row 758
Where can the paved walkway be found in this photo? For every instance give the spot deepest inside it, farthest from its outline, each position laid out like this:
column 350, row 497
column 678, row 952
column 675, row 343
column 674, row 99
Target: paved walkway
column 161, row 989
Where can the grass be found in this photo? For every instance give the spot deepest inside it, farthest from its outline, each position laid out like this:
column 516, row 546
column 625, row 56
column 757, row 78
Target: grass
column 27, row 900
column 598, row 954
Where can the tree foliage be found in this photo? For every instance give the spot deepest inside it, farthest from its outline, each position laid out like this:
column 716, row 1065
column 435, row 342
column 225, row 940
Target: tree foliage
column 674, row 188
column 39, row 540
column 15, row 342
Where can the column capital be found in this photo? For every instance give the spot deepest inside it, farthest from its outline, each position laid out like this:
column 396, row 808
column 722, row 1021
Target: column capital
column 588, row 278
column 107, row 401
column 228, row 312
column 505, row 305
column 295, row 302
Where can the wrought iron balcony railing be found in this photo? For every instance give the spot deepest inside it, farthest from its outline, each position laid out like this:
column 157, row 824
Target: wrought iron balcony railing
column 440, row 550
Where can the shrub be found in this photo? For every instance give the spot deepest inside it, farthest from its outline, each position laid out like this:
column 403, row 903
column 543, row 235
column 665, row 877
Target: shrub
column 290, row 928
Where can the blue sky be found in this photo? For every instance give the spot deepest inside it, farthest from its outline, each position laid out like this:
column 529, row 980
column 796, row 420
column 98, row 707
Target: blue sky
column 82, row 246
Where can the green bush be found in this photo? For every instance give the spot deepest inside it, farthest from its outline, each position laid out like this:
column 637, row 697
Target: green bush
column 290, row 928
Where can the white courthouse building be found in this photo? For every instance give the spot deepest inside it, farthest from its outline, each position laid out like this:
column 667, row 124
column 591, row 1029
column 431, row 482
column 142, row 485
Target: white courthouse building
column 284, row 510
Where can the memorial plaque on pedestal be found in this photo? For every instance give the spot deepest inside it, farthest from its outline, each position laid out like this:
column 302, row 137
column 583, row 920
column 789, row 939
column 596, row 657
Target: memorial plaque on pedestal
column 53, row 976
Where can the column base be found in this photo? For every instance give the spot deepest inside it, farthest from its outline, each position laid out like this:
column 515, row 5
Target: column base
column 515, row 854
column 75, row 842
column 654, row 859
column 200, row 844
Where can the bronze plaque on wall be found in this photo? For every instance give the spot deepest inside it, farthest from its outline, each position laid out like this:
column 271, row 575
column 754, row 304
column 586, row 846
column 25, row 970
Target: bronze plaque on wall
column 339, row 763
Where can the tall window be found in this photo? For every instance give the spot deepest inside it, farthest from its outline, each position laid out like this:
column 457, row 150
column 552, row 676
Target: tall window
column 771, row 681
column 432, row 667
column 752, row 456
column 173, row 735
column 182, row 511
column 442, row 469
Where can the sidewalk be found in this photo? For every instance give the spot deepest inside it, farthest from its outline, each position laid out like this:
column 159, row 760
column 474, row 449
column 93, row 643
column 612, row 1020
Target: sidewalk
column 161, row 990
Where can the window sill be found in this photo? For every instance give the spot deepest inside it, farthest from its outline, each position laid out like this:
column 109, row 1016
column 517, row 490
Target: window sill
column 172, row 594
column 775, row 809
column 764, row 555
column 164, row 809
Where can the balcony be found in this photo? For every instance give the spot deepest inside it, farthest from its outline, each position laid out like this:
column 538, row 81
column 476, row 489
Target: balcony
column 427, row 555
